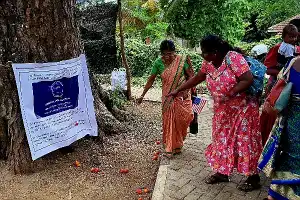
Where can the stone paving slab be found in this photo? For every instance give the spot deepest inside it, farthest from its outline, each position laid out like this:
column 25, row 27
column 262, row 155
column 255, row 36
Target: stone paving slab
column 185, row 173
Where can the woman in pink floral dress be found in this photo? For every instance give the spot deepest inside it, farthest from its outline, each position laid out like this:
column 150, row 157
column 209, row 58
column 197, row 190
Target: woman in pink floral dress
column 236, row 139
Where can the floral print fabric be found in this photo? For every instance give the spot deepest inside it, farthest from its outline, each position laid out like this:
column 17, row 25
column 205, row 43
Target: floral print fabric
column 236, row 139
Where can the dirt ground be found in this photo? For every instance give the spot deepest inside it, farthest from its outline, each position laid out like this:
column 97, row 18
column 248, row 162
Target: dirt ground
column 56, row 177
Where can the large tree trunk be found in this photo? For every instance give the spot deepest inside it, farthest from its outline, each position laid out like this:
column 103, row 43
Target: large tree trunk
column 35, row 31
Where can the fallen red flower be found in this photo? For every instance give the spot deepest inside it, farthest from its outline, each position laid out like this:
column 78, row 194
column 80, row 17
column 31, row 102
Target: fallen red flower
column 124, row 171
column 139, row 191
column 95, row 170
column 155, row 158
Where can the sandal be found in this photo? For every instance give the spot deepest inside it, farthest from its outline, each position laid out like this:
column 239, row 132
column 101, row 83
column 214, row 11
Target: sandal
column 168, row 155
column 177, row 151
column 249, row 187
column 252, row 183
column 217, row 178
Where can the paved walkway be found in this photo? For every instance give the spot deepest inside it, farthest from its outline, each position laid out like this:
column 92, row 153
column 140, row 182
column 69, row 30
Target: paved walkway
column 182, row 178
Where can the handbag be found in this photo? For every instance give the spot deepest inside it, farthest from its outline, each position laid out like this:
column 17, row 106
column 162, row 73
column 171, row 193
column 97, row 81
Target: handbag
column 283, row 99
column 279, row 95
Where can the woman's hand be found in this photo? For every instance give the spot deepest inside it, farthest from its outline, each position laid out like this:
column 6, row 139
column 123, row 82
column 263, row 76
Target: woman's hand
column 173, row 94
column 222, row 99
column 148, row 85
column 231, row 93
column 140, row 100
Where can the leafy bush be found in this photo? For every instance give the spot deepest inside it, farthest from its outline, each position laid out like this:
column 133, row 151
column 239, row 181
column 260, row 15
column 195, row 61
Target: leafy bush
column 156, row 31
column 193, row 19
column 118, row 98
column 140, row 56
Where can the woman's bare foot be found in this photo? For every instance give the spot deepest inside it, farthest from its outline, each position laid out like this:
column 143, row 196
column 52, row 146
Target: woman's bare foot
column 269, row 198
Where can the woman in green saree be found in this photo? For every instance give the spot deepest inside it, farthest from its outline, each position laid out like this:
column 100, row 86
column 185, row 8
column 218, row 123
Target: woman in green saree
column 177, row 113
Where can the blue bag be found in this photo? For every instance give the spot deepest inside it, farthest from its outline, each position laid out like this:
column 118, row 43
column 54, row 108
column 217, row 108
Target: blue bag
column 258, row 71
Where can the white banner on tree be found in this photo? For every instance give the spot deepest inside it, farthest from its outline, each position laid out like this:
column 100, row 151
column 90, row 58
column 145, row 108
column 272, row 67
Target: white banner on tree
column 56, row 103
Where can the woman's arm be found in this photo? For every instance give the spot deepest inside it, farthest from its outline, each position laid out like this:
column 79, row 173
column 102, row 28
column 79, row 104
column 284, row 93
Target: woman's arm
column 148, row 85
column 245, row 81
column 200, row 77
column 189, row 72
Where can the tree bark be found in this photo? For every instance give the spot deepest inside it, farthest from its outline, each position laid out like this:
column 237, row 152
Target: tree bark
column 124, row 60
column 35, row 31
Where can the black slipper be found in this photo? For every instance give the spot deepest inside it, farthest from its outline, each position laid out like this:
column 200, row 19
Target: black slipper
column 249, row 187
column 252, row 183
column 217, row 178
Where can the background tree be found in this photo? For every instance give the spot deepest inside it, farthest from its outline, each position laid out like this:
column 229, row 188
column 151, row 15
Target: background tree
column 143, row 18
column 265, row 13
column 123, row 55
column 193, row 19
column 39, row 31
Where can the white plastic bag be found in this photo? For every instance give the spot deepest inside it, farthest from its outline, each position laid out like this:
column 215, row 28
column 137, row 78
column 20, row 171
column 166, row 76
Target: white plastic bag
column 118, row 79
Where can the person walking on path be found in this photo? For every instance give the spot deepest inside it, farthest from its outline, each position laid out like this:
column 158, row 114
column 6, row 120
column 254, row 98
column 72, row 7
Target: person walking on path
column 177, row 112
column 272, row 63
column 282, row 166
column 236, row 139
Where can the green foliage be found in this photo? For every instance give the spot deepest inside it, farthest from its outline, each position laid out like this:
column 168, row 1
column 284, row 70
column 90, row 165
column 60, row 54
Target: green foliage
column 140, row 56
column 271, row 12
column 156, row 31
column 192, row 19
column 118, row 98
column 141, row 82
column 266, row 13
column 143, row 19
